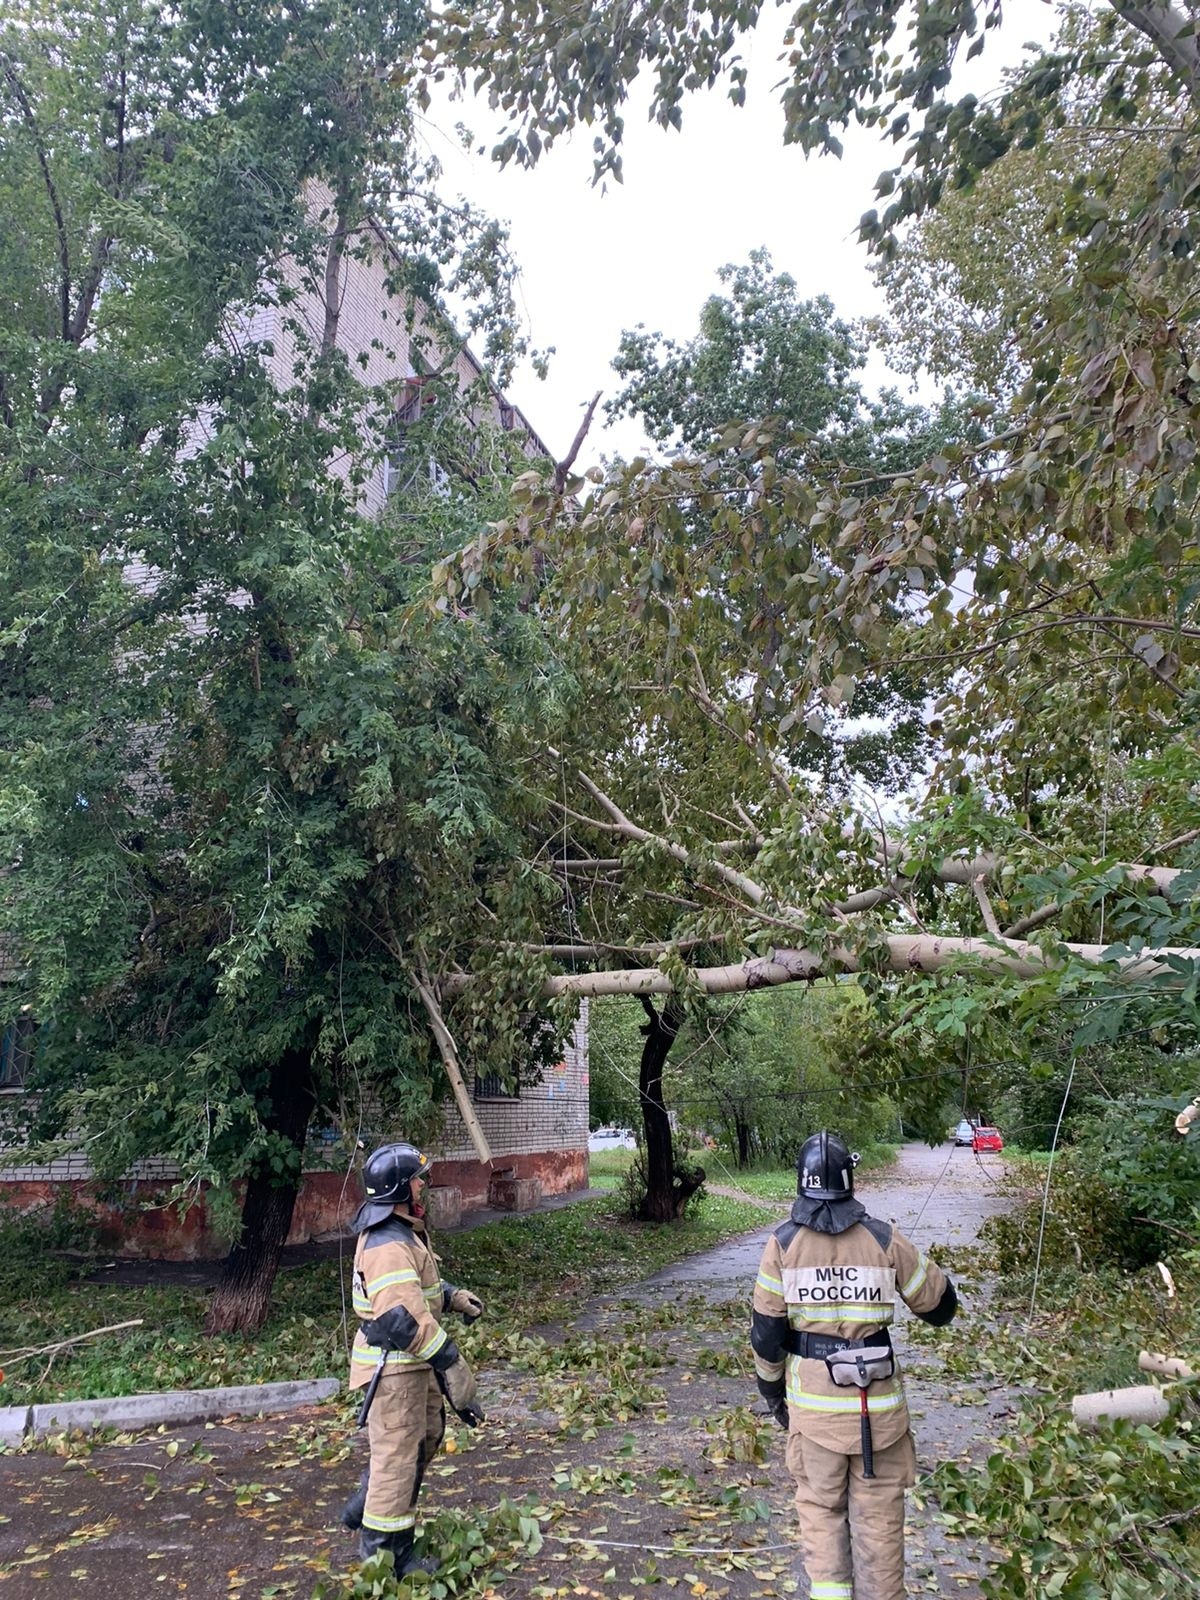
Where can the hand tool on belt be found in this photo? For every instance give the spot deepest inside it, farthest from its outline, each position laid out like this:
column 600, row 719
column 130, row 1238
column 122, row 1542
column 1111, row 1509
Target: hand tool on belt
column 851, row 1363
column 866, row 1443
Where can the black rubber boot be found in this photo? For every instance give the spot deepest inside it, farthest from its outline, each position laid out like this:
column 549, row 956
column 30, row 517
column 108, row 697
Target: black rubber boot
column 401, row 1546
column 411, row 1564
column 352, row 1511
column 406, row 1562
column 371, row 1541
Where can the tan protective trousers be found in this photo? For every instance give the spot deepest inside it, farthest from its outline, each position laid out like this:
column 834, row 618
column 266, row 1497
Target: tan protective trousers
column 851, row 1527
column 405, row 1426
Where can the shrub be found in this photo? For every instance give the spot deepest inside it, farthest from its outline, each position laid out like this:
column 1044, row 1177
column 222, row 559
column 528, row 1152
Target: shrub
column 631, row 1191
column 44, row 1248
column 1122, row 1194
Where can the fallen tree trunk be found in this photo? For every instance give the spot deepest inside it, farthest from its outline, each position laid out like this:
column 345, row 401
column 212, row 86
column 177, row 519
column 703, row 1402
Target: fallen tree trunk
column 904, row 952
column 1144, row 1402
column 1165, row 1366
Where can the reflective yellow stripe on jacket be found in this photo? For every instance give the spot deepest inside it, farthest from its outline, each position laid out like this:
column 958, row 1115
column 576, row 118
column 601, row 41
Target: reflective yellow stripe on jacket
column 367, row 1355
column 770, row 1284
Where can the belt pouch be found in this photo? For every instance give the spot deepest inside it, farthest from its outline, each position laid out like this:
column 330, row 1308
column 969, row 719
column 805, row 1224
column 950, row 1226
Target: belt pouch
column 859, row 1364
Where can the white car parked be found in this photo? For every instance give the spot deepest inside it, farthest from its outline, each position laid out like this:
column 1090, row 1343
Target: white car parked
column 611, row 1139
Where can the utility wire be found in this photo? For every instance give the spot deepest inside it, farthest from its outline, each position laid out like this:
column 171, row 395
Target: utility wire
column 1037, row 1264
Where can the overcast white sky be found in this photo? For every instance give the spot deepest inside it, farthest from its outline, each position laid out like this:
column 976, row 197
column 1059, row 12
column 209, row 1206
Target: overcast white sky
column 594, row 263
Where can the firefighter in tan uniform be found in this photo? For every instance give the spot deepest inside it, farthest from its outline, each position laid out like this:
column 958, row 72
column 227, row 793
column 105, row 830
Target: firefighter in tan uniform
column 825, row 1295
column 402, row 1355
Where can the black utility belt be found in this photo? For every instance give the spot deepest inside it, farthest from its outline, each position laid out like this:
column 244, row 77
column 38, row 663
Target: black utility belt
column 817, row 1346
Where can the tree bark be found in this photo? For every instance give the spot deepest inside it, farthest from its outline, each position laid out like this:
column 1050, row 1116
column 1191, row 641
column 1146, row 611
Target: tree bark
column 743, row 1141
column 668, row 1188
column 243, row 1295
column 900, row 952
column 1172, row 34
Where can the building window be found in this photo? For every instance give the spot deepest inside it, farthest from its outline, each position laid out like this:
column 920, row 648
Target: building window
column 16, row 1052
column 418, row 400
column 491, row 1086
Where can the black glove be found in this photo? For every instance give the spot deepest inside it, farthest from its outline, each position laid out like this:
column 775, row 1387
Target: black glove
column 472, row 1415
column 774, row 1392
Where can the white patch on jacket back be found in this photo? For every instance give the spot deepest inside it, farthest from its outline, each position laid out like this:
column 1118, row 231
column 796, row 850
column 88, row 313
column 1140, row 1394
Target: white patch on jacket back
column 839, row 1285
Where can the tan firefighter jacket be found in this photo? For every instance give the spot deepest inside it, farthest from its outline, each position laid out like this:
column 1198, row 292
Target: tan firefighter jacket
column 841, row 1285
column 395, row 1266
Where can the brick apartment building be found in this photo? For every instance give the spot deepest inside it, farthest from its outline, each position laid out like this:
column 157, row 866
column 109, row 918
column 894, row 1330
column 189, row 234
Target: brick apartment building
column 538, row 1134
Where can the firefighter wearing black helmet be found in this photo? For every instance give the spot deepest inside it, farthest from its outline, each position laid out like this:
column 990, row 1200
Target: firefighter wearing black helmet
column 823, row 1303
column 400, row 1298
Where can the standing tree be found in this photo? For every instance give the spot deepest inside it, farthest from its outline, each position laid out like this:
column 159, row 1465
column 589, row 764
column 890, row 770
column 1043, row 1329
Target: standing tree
column 250, row 781
column 263, row 806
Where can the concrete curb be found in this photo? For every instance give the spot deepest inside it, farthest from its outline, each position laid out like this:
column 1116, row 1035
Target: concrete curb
column 135, row 1411
column 14, row 1421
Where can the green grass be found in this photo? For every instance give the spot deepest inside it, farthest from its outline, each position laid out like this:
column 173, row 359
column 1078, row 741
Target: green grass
column 1035, row 1158
column 527, row 1269
column 779, row 1183
column 606, row 1168
column 768, row 1184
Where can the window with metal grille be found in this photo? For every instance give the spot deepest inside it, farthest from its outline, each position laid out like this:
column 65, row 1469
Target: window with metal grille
column 16, row 1052
column 491, row 1086
column 418, row 398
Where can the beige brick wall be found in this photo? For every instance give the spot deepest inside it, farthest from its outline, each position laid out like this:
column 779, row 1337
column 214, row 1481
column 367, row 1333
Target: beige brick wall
column 551, row 1115
column 546, row 1116
column 373, row 335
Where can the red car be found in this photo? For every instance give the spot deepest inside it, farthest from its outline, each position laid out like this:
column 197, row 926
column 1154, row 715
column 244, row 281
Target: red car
column 987, row 1139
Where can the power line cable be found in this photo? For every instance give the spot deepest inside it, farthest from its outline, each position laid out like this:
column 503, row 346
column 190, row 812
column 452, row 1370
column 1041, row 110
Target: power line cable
column 1037, row 1264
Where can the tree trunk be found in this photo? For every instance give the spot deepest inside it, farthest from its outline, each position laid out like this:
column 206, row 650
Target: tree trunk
column 743, row 1142
column 242, row 1297
column 668, row 1188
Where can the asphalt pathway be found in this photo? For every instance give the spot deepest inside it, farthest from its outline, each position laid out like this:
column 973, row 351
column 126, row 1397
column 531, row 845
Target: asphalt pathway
column 935, row 1196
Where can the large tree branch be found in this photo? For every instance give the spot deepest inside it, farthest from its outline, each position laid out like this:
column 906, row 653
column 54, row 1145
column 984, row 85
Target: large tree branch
column 902, row 953
column 965, row 870
column 88, row 290
column 332, row 288
column 970, row 872
column 1176, row 843
column 60, row 226
column 622, row 824
column 590, row 951
column 1171, row 32
column 448, row 1051
column 985, row 906
column 562, row 471
column 1035, row 919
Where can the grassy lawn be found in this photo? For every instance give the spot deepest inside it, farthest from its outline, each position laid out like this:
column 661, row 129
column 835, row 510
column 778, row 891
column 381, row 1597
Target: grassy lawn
column 606, row 1168
column 527, row 1269
column 778, row 1184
